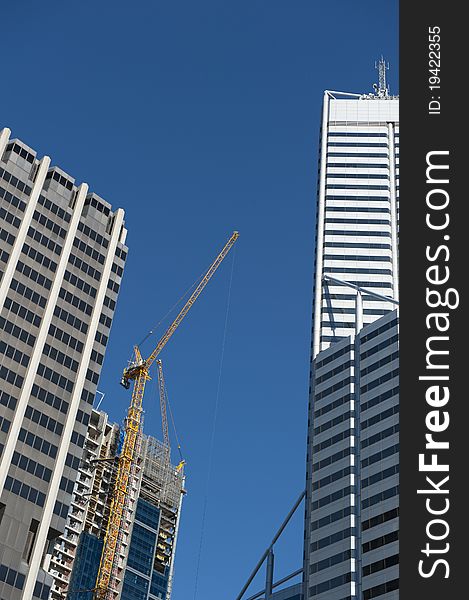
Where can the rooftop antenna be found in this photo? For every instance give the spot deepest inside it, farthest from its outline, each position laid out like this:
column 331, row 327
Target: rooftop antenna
column 381, row 88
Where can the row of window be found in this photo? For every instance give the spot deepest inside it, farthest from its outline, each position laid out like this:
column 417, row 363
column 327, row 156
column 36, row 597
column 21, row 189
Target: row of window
column 380, row 497
column 61, row 510
column 66, row 485
column 331, row 518
column 357, row 245
column 101, row 338
column 87, row 396
column 22, row 311
column 381, row 154
column 337, row 495
column 105, row 320
column 331, row 561
column 113, row 286
column 73, row 321
column 43, row 420
column 380, row 398
column 329, row 460
column 380, row 590
column 82, row 417
column 78, row 439
column 8, row 575
column 333, row 388
column 97, row 357
column 333, row 356
column 330, row 584
column 111, row 304
column 4, row 424
column 376, row 382
column 382, row 165
column 350, row 232
column 28, row 293
column 88, row 250
column 357, row 144
column 361, row 198
column 11, row 377
column 12, row 199
column 93, row 235
column 9, row 218
column 34, row 275
column 14, row 181
column 380, row 541
column 80, row 284
column 37, row 442
column 42, row 239
column 378, row 331
column 14, row 354
column 7, row 400
column 381, row 435
column 328, row 407
column 25, row 491
column 60, row 358
column 7, row 237
column 89, row 201
column 84, row 267
column 92, row 376
column 54, row 208
column 117, row 270
column 394, row 410
column 4, row 256
column 379, row 456
column 49, row 398
column 17, row 149
column 31, row 466
column 333, row 477
column 55, row 378
column 343, row 186
column 65, row 338
column 333, row 422
column 389, row 472
column 38, row 257
column 122, row 254
column 339, row 437
column 48, row 224
column 374, row 349
column 332, row 539
column 66, row 183
column 17, row 332
column 75, row 301
column 379, row 363
column 73, row 462
column 380, row 519
column 339, row 369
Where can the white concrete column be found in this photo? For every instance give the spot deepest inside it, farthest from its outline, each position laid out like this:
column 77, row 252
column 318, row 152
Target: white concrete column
column 393, row 207
column 41, row 537
column 318, row 285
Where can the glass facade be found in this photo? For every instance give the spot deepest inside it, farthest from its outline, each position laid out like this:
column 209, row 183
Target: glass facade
column 85, row 568
column 141, row 580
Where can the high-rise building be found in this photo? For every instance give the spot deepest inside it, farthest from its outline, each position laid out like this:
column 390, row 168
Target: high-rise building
column 62, row 255
column 351, row 506
column 147, row 547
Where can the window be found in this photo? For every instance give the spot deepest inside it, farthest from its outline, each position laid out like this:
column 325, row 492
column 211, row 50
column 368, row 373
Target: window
column 30, row 539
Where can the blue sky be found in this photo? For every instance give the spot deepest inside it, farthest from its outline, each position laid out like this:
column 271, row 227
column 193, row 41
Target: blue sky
column 199, row 118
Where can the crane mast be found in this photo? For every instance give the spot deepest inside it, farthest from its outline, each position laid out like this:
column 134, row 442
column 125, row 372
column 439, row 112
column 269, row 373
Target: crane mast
column 138, row 371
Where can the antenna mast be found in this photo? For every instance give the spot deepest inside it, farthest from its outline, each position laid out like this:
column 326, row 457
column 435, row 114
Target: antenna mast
column 381, row 88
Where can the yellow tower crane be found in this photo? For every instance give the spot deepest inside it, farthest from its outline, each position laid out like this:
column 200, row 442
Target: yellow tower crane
column 138, row 371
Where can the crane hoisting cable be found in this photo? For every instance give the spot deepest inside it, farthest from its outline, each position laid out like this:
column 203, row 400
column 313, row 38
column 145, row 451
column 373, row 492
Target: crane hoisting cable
column 138, row 371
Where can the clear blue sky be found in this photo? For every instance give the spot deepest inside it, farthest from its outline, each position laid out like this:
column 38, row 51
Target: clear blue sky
column 200, row 117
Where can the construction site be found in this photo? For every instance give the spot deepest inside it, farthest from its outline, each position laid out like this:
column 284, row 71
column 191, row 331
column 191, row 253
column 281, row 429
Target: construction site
column 122, row 526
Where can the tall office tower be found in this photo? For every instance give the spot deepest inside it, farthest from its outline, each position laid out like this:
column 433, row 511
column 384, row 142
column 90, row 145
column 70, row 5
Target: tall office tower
column 62, row 254
column 351, row 508
column 148, row 543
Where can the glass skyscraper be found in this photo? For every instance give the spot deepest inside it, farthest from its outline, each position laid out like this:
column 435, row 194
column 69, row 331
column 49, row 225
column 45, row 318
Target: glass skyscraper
column 351, row 510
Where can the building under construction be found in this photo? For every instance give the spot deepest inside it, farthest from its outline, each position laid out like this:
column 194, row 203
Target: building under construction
column 146, row 547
